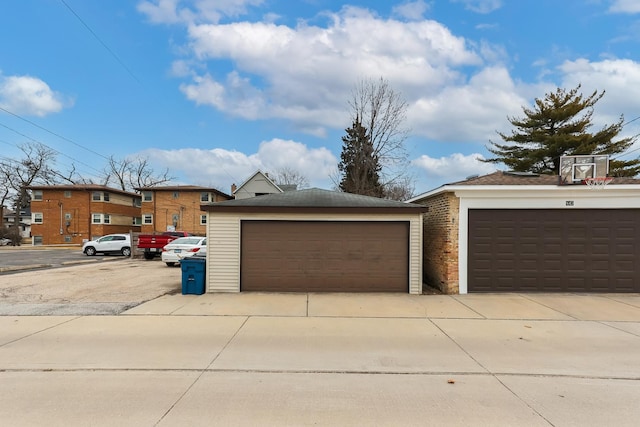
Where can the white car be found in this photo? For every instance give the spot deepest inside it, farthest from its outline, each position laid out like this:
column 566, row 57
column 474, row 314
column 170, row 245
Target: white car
column 109, row 244
column 183, row 247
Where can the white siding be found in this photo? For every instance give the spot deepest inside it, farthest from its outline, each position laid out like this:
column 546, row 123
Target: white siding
column 223, row 253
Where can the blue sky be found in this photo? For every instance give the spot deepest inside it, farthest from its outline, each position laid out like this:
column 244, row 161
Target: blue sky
column 215, row 89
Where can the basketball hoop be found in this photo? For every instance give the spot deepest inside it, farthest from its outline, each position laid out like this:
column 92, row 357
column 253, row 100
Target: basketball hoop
column 598, row 183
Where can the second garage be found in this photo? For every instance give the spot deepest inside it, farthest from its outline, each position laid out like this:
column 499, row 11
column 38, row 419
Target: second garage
column 554, row 250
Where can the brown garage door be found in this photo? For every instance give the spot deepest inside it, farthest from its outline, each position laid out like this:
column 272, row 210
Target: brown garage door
column 321, row 256
column 580, row 250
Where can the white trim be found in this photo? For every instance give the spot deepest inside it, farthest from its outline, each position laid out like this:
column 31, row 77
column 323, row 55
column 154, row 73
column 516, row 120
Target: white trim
column 534, row 197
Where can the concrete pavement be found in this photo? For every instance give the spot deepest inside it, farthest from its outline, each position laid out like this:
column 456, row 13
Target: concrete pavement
column 329, row 359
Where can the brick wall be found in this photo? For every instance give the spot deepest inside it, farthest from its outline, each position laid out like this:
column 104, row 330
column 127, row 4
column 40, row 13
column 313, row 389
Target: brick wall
column 184, row 205
column 440, row 242
column 67, row 216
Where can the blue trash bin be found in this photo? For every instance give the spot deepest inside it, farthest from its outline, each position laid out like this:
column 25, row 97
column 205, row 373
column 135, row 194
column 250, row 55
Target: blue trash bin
column 193, row 270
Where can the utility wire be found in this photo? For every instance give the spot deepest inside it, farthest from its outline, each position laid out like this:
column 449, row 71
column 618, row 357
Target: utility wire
column 51, row 148
column 93, row 33
column 54, row 134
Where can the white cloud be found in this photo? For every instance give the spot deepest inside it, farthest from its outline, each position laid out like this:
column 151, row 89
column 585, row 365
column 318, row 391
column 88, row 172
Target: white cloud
column 412, row 10
column 220, row 168
column 619, row 78
column 471, row 112
column 480, row 6
column 453, row 168
column 625, row 6
column 305, row 74
column 29, row 95
column 189, row 11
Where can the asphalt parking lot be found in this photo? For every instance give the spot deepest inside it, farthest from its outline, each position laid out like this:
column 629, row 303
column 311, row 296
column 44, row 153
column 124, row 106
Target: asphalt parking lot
column 66, row 282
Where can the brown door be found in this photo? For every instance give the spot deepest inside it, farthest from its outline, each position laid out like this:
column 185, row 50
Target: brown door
column 324, row 256
column 547, row 250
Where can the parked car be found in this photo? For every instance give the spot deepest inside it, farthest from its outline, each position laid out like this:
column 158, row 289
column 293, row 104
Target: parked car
column 109, row 244
column 153, row 243
column 182, row 248
column 5, row 242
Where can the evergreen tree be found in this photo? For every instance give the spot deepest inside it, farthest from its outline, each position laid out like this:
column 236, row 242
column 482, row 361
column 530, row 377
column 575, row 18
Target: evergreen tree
column 359, row 165
column 556, row 126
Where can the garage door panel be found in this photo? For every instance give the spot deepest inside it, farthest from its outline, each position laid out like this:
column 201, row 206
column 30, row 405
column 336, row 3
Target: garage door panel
column 325, row 256
column 593, row 250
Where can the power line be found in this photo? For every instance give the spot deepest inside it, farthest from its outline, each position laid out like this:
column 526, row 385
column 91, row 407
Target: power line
column 54, row 134
column 93, row 33
column 51, row 148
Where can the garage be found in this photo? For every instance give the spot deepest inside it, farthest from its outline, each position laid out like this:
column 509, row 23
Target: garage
column 324, row 256
column 554, row 250
column 314, row 240
column 526, row 232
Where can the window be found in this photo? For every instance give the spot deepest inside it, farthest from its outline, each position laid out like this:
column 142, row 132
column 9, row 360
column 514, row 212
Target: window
column 37, row 218
column 67, row 194
column 147, row 196
column 147, row 219
column 137, row 220
column 96, row 218
column 67, row 239
column 37, row 240
column 106, row 218
column 37, row 194
column 204, row 197
column 137, row 202
column 95, row 196
column 176, row 194
column 203, row 219
column 105, row 196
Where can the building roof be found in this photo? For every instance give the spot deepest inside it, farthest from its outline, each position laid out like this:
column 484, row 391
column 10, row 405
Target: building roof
column 314, row 200
column 500, row 180
column 264, row 175
column 82, row 187
column 525, row 178
column 193, row 188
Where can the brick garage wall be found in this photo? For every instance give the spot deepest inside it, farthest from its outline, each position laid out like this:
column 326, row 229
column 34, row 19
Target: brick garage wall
column 440, row 247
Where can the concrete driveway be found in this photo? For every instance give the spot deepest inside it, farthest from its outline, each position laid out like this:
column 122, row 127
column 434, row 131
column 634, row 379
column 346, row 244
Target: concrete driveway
column 328, row 359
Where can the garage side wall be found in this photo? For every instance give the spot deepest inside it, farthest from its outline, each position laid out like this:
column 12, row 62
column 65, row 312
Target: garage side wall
column 223, row 252
column 440, row 242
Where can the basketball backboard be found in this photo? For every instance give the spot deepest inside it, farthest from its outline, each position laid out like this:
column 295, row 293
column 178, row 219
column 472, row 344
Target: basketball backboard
column 575, row 169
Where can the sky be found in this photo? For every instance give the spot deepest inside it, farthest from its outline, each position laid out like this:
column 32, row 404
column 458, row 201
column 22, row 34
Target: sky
column 213, row 90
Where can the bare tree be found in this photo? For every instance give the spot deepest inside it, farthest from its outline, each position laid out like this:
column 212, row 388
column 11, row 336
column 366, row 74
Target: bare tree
column 400, row 189
column 34, row 168
column 289, row 176
column 382, row 112
column 134, row 172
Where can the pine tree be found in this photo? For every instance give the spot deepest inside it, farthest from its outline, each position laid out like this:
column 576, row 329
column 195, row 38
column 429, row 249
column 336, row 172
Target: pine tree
column 359, row 166
column 558, row 125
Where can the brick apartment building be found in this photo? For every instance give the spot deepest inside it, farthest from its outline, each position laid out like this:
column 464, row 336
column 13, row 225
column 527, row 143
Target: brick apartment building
column 71, row 214
column 177, row 208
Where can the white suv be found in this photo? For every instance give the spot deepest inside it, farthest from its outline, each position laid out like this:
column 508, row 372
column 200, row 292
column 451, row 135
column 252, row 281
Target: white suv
column 111, row 243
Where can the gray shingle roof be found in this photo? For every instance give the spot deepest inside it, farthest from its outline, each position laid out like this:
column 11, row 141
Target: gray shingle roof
column 516, row 178
column 313, row 198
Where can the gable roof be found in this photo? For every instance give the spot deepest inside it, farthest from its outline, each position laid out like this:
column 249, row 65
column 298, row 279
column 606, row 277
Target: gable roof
column 314, row 200
column 264, row 175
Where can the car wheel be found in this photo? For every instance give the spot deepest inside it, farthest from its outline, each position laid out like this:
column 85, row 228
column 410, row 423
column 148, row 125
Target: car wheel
column 126, row 251
column 170, row 264
column 90, row 251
